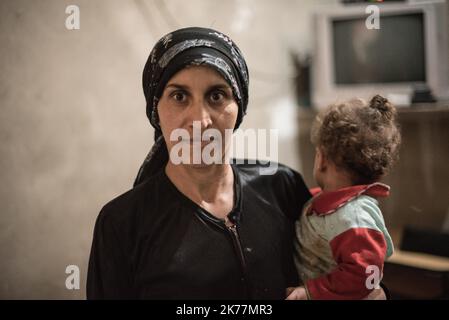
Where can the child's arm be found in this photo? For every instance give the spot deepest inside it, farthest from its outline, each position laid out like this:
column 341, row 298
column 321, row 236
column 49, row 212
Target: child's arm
column 356, row 243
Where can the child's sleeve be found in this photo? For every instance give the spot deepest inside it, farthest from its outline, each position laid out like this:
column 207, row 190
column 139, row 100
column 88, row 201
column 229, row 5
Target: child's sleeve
column 356, row 242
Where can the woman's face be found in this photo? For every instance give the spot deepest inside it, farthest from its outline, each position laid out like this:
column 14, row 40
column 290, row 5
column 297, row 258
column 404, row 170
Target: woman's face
column 200, row 94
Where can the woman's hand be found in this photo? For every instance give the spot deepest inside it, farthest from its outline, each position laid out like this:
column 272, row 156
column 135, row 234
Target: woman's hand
column 296, row 293
column 376, row 294
column 299, row 293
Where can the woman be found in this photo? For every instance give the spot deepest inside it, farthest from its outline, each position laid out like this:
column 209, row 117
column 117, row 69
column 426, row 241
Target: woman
column 201, row 230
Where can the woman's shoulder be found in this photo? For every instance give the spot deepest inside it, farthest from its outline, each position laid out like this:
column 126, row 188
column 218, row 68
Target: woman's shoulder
column 265, row 169
column 276, row 181
column 126, row 204
column 271, row 173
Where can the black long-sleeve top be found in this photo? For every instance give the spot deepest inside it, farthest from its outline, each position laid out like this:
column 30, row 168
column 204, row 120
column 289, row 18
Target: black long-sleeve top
column 153, row 242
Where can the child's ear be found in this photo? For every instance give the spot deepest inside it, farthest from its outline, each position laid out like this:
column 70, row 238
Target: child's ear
column 321, row 160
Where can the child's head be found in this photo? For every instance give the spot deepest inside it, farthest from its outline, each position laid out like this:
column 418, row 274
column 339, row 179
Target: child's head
column 356, row 139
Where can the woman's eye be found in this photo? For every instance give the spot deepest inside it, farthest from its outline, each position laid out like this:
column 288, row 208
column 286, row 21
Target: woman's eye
column 217, row 96
column 179, row 96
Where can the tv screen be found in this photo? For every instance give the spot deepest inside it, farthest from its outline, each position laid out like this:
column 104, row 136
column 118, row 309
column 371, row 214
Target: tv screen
column 393, row 53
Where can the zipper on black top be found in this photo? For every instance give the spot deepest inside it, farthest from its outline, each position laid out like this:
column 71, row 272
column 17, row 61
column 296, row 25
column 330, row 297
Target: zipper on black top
column 232, row 228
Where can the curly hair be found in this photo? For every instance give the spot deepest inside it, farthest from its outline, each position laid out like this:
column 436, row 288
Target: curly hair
column 359, row 137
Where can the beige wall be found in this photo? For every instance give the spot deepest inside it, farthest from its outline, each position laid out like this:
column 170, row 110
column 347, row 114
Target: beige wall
column 73, row 129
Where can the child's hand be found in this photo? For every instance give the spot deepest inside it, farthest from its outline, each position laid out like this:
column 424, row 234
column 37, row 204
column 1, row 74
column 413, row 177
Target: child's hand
column 296, row 293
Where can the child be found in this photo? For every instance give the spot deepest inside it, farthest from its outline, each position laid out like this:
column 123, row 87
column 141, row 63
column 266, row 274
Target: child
column 341, row 239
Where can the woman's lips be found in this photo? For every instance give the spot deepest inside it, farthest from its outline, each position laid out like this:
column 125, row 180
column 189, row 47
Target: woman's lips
column 196, row 142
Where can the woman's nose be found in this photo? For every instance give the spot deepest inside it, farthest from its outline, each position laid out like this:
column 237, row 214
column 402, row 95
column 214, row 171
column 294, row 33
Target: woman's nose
column 199, row 112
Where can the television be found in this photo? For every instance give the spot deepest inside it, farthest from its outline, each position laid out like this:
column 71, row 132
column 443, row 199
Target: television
column 408, row 51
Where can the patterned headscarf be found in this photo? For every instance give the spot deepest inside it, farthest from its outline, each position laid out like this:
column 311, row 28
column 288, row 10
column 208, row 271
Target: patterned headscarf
column 175, row 51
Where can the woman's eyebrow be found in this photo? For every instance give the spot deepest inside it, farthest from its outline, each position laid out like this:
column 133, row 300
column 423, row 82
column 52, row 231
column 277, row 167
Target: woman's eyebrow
column 219, row 86
column 212, row 87
column 177, row 86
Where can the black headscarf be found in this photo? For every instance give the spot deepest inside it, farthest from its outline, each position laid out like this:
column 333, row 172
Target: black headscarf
column 175, row 51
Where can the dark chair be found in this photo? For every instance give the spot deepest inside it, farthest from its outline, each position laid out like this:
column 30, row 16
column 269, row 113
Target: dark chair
column 407, row 282
column 425, row 241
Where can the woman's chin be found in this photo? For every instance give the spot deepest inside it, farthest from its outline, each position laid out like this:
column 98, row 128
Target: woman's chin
column 199, row 166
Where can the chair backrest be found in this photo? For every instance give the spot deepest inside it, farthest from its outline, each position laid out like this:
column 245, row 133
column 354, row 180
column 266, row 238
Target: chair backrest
column 425, row 241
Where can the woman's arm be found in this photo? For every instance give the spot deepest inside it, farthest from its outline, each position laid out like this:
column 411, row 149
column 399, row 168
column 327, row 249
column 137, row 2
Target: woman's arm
column 109, row 275
column 299, row 293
